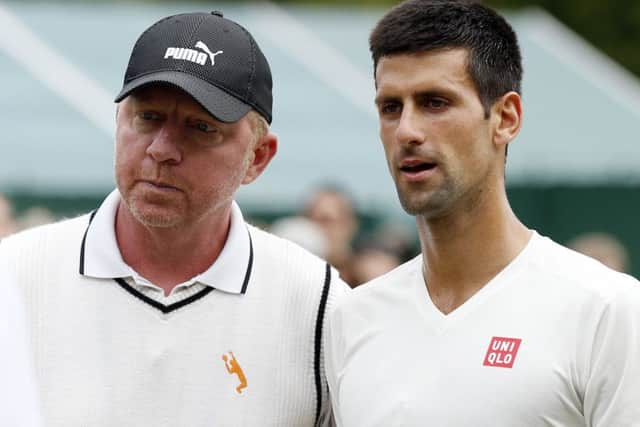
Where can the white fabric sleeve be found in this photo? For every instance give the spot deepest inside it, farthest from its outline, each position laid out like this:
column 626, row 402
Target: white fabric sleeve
column 18, row 401
column 612, row 392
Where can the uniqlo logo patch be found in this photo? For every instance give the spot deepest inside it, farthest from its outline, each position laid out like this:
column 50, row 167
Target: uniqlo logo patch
column 502, row 352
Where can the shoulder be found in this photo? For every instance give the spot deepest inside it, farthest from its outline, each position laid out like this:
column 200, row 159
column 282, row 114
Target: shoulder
column 375, row 297
column 35, row 255
column 392, row 282
column 284, row 258
column 281, row 252
column 268, row 239
column 579, row 274
column 400, row 274
column 59, row 233
column 580, row 287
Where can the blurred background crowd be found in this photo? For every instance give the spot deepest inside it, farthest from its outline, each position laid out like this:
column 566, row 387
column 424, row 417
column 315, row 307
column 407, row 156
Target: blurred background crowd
column 573, row 173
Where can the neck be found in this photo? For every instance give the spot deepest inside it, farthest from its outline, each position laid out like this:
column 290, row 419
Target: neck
column 170, row 256
column 464, row 250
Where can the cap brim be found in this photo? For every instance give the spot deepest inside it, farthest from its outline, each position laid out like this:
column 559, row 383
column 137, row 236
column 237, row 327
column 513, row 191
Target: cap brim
column 217, row 102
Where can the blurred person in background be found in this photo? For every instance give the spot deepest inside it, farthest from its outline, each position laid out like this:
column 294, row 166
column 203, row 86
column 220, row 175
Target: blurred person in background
column 334, row 211
column 398, row 238
column 369, row 262
column 381, row 250
column 163, row 307
column 492, row 324
column 34, row 216
column 604, row 247
column 303, row 232
column 7, row 221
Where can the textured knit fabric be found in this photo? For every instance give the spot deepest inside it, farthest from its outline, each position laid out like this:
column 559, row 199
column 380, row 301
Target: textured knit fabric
column 552, row 340
column 105, row 356
column 18, row 401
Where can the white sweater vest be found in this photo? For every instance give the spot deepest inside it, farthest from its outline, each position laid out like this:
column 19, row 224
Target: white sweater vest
column 105, row 357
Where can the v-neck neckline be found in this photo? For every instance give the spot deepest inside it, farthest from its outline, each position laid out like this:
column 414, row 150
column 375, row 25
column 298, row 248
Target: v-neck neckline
column 441, row 321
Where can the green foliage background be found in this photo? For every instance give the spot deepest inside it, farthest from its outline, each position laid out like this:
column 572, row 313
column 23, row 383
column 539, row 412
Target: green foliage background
column 612, row 26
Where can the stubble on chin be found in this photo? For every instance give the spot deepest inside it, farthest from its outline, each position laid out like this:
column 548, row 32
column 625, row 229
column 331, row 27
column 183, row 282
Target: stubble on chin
column 151, row 213
column 419, row 204
column 154, row 220
column 428, row 203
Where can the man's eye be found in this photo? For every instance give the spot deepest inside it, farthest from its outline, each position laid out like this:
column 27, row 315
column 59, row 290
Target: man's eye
column 149, row 115
column 205, row 127
column 389, row 108
column 435, row 103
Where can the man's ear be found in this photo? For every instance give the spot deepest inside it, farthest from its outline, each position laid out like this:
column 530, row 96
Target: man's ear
column 507, row 116
column 263, row 152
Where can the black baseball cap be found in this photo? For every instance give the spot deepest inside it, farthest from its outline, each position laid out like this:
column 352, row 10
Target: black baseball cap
column 213, row 59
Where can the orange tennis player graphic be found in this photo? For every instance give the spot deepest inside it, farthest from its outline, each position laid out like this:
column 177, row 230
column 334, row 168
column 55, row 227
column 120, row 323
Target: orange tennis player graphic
column 233, row 367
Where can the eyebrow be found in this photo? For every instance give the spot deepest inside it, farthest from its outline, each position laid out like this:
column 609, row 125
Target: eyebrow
column 145, row 98
column 384, row 99
column 421, row 94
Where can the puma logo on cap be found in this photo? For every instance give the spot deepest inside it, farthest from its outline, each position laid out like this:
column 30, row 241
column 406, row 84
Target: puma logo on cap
column 192, row 55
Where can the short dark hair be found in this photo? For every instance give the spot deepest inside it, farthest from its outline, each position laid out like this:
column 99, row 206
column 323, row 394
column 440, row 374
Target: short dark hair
column 414, row 26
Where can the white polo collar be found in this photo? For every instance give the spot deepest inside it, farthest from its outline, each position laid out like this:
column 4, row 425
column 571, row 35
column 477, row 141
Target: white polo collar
column 100, row 256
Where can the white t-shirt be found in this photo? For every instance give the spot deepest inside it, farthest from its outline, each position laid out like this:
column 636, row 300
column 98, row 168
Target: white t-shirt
column 18, row 401
column 552, row 340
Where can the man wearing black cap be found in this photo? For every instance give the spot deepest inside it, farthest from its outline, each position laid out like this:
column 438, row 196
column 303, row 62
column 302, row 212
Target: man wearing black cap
column 163, row 307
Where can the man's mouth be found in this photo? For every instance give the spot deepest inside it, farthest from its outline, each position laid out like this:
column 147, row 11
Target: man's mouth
column 161, row 185
column 417, row 170
column 417, row 167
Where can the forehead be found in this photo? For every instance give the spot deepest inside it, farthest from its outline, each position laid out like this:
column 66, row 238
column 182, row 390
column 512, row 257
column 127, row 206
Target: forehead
column 165, row 95
column 430, row 70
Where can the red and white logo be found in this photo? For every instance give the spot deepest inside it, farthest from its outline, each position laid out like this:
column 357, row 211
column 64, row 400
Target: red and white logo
column 502, row 352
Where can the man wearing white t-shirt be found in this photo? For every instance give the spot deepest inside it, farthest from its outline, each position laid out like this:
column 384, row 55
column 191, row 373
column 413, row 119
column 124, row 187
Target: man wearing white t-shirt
column 163, row 307
column 493, row 324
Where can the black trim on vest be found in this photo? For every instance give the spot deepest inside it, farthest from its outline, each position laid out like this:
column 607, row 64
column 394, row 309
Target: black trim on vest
column 318, row 340
column 163, row 308
column 84, row 239
column 166, row 308
column 247, row 275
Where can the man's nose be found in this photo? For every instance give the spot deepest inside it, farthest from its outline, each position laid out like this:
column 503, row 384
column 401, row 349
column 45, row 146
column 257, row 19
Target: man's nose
column 410, row 127
column 165, row 146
